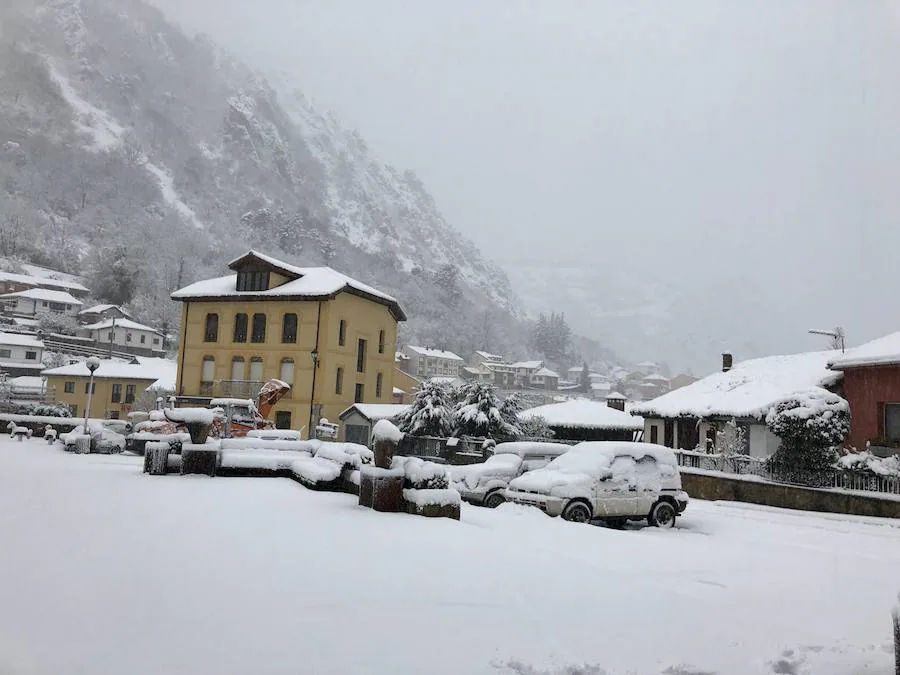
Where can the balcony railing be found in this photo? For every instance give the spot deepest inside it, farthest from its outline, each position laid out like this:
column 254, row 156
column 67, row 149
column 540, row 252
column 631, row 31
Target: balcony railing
column 231, row 389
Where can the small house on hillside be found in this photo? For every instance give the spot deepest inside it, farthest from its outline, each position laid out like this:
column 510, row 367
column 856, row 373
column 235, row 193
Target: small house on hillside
column 871, row 386
column 544, row 378
column 691, row 417
column 479, row 358
column 358, row 420
column 586, row 420
column 36, row 302
column 12, row 283
column 425, row 362
column 98, row 313
column 524, row 370
column 20, row 354
column 126, row 335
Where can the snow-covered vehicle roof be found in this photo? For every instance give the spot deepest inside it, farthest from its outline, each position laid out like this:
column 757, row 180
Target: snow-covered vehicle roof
column 583, row 414
column 750, row 389
column 577, row 470
column 881, row 352
column 303, row 282
column 526, row 448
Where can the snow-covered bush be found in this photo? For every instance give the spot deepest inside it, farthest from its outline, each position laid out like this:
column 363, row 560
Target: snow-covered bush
column 869, row 463
column 535, row 427
column 422, row 475
column 44, row 410
column 811, row 425
column 478, row 413
column 430, row 413
column 732, row 439
column 62, row 324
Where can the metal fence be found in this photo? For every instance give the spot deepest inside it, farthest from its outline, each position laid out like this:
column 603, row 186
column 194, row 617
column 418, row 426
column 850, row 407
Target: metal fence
column 449, row 450
column 791, row 475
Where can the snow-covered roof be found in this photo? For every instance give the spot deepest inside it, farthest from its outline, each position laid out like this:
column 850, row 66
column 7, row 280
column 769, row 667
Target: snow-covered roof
column 31, row 280
column 26, row 382
column 749, row 389
column 881, row 352
column 128, row 324
column 655, row 377
column 583, row 414
column 21, row 366
column 397, row 390
column 528, row 365
column 616, row 396
column 20, row 340
column 305, row 282
column 44, row 294
column 434, row 353
column 475, row 371
column 545, row 372
column 442, row 379
column 153, row 370
column 100, row 309
column 489, row 356
column 376, row 411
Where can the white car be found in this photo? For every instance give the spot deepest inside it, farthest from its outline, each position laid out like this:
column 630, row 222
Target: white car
column 610, row 481
column 484, row 484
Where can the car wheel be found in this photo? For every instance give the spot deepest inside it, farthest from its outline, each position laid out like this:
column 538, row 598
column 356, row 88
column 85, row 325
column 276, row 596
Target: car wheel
column 495, row 499
column 663, row 515
column 577, row 512
column 616, row 523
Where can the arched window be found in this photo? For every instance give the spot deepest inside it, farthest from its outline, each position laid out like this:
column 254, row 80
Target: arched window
column 208, row 372
column 379, row 383
column 256, row 369
column 259, row 328
column 237, row 368
column 211, row 332
column 289, row 329
column 240, row 328
column 286, row 373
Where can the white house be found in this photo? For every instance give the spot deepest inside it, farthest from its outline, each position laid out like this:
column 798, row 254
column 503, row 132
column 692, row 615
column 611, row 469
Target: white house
column 20, row 354
column 524, row 370
column 425, row 362
column 586, row 420
column 98, row 313
column 125, row 333
column 11, row 283
column 544, row 378
column 691, row 417
column 36, row 302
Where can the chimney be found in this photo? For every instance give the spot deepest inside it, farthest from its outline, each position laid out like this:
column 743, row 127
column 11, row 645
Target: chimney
column 727, row 362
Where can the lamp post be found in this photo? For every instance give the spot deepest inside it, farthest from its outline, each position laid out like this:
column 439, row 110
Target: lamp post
column 314, row 354
column 837, row 336
column 92, row 364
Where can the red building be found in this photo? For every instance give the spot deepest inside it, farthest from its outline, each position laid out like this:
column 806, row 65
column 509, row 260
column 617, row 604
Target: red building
column 872, row 387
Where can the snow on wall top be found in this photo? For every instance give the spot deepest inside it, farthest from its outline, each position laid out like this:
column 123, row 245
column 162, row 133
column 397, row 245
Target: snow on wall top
column 44, row 294
column 376, row 411
column 434, row 353
column 150, row 369
column 546, row 372
column 880, row 352
column 749, row 389
column 120, row 323
column 583, row 414
column 18, row 340
column 528, row 365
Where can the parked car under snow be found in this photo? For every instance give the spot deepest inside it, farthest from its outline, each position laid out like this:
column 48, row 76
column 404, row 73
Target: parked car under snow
column 610, row 481
column 485, row 484
column 105, row 437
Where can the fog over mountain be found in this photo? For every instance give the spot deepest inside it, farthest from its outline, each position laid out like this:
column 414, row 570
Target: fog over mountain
column 679, row 178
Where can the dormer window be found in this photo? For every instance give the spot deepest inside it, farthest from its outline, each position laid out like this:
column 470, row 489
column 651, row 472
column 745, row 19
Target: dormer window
column 253, row 280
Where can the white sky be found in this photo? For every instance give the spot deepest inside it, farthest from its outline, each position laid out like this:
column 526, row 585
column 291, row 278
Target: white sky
column 741, row 156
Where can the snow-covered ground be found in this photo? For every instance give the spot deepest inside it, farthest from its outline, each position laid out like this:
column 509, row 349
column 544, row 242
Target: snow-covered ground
column 107, row 571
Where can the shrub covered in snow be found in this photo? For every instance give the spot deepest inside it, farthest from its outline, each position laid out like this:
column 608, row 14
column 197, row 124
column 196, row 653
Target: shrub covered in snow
column 385, row 430
column 478, row 413
column 44, row 410
column 430, row 413
column 869, row 463
column 535, row 426
column 811, row 425
column 422, row 475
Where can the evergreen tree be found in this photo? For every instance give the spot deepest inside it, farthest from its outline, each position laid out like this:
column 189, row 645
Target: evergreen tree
column 811, row 426
column 430, row 414
column 511, row 407
column 478, row 413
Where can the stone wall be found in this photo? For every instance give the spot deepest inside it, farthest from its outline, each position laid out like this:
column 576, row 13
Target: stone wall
column 715, row 487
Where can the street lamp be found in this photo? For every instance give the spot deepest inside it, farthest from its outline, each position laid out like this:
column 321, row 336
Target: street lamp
column 92, row 364
column 314, row 354
column 837, row 336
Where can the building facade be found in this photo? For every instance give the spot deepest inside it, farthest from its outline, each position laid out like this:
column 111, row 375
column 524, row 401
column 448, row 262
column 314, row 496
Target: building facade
column 333, row 339
column 36, row 302
column 126, row 335
column 20, row 354
column 426, row 362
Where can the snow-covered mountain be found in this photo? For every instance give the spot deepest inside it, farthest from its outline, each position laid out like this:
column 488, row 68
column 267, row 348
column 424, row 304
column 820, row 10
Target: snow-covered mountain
column 125, row 144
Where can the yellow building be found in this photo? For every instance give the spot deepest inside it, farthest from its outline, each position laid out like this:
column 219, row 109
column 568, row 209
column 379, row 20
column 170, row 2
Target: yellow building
column 117, row 385
column 330, row 337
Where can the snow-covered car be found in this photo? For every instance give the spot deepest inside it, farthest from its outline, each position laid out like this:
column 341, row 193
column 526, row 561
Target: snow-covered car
column 105, row 438
column 606, row 480
column 484, row 484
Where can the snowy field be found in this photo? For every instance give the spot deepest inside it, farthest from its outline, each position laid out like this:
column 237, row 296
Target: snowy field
column 106, row 571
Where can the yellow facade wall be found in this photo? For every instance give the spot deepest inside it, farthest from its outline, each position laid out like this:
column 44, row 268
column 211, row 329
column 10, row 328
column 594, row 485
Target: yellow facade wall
column 102, row 404
column 364, row 319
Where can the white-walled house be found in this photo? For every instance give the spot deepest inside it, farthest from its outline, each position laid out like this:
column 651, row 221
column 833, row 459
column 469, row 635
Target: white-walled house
column 126, row 333
column 690, row 418
column 20, row 354
column 36, row 302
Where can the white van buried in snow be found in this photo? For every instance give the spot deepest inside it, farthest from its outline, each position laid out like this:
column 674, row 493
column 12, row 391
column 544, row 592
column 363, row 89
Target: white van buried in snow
column 610, row 481
column 484, row 484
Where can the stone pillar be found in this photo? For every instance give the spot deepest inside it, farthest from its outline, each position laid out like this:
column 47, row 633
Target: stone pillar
column 156, row 458
column 381, row 489
column 201, row 459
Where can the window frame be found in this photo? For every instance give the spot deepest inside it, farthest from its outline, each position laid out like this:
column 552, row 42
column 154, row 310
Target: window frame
column 69, row 387
column 207, row 359
column 379, row 384
column 211, row 327
column 250, row 280
column 243, row 373
column 362, row 348
column 262, row 369
column 381, row 341
column 359, row 392
column 288, row 337
column 116, row 393
column 342, row 333
column 258, row 329
column 339, row 381
column 241, row 328
column 893, row 406
column 130, row 393
column 31, row 356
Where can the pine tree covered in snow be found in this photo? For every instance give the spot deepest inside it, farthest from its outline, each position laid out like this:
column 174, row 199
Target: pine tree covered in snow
column 478, row 413
column 811, row 425
column 430, row 414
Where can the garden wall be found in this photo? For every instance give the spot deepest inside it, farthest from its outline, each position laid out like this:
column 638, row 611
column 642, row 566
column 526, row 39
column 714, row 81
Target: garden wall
column 713, row 487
